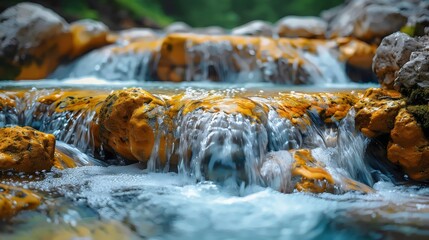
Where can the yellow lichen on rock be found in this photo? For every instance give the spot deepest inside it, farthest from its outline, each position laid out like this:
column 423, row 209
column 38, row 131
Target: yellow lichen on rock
column 87, row 35
column 409, row 147
column 376, row 111
column 24, row 149
column 15, row 199
column 128, row 122
column 313, row 177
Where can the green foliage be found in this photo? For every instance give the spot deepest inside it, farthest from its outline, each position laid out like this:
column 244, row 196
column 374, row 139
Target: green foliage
column 231, row 13
column 147, row 8
column 197, row 13
column 79, row 8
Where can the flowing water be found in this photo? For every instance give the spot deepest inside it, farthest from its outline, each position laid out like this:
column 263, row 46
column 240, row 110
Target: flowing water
column 233, row 178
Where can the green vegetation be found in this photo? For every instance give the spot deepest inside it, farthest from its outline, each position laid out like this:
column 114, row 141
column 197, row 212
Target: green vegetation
column 224, row 13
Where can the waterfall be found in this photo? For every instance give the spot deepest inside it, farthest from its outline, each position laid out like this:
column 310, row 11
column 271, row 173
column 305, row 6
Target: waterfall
column 217, row 135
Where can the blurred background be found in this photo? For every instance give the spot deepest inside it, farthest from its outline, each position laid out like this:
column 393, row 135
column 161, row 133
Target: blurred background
column 120, row 14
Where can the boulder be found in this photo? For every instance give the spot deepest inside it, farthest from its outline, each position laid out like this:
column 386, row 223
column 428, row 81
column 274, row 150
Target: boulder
column 15, row 199
column 305, row 27
column 414, row 73
column 376, row 111
column 367, row 20
column 87, row 34
column 33, row 40
column 408, row 147
column 254, row 28
column 298, row 170
column 128, row 123
column 394, row 51
column 178, row 27
column 24, row 149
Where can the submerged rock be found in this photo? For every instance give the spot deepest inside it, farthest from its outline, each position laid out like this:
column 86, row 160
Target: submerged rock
column 24, row 149
column 33, row 41
column 15, row 199
column 94, row 230
column 304, row 27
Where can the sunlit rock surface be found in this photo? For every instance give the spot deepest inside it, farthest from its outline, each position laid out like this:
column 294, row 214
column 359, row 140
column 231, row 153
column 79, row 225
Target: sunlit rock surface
column 383, row 111
column 15, row 199
column 34, row 40
column 87, row 35
column 24, row 149
column 377, row 110
column 409, row 147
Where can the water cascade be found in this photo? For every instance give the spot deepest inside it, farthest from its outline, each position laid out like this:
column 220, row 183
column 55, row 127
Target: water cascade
column 259, row 132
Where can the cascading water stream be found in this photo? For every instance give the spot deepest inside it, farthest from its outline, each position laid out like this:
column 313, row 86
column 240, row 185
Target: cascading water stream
column 220, row 60
column 213, row 145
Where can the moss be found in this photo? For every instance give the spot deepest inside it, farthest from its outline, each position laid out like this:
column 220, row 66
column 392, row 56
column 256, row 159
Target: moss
column 418, row 96
column 421, row 113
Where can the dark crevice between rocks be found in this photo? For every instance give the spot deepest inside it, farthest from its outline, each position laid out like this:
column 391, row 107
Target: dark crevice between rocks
column 418, row 105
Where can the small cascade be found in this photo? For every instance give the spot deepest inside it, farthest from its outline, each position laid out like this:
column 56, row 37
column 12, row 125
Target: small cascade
column 213, row 135
column 192, row 57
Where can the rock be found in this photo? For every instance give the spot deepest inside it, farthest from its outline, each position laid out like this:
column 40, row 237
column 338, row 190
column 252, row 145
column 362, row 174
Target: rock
column 254, row 28
column 33, row 41
column 402, row 63
column 132, row 35
column 24, row 149
column 376, row 111
column 394, row 51
column 415, row 73
column 178, row 27
column 83, row 229
column 367, row 20
column 408, row 147
column 305, row 27
column 87, row 35
column 298, row 170
column 15, row 199
column 128, row 123
column 211, row 30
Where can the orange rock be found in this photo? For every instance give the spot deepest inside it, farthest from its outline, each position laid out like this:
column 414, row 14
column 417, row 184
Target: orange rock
column 87, row 35
column 408, row 147
column 356, row 53
column 313, row 177
column 34, row 41
column 128, row 122
column 62, row 160
column 24, row 149
column 376, row 111
column 15, row 199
